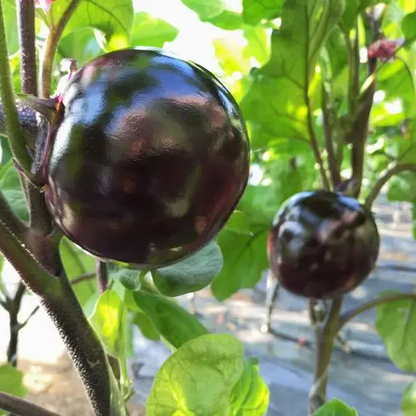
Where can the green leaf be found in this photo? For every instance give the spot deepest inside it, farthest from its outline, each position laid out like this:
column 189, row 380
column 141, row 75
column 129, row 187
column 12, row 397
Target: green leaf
column 69, row 46
column 256, row 10
column 352, row 10
column 11, row 381
column 396, row 325
column 10, row 20
column 228, row 20
column 145, row 325
column 129, row 278
column 198, row 378
column 277, row 98
column 17, row 201
column 401, row 187
column 109, row 321
column 150, row 31
column 114, row 18
column 335, row 407
column 408, row 404
column 245, row 257
column 206, row 10
column 190, row 275
column 409, row 27
column 77, row 263
column 250, row 395
column 174, row 323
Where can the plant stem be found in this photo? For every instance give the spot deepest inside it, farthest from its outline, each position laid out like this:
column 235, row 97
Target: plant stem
column 314, row 144
column 14, row 324
column 17, row 144
column 325, row 334
column 383, row 179
column 51, row 47
column 329, row 139
column 82, row 278
column 102, row 276
column 21, row 407
column 347, row 316
column 39, row 217
column 28, row 71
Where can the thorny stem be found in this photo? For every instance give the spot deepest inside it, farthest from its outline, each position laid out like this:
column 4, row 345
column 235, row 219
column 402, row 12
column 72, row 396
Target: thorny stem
column 325, row 333
column 383, row 179
column 11, row 117
column 51, row 47
column 14, row 325
column 349, row 315
column 21, row 407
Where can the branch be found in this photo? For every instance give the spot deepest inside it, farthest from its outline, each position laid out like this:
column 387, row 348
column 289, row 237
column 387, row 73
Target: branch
column 349, row 315
column 51, row 47
column 325, row 334
column 314, row 143
column 84, row 277
column 27, row 36
column 17, row 144
column 14, row 326
column 388, row 174
column 22, row 407
column 102, row 276
column 329, row 140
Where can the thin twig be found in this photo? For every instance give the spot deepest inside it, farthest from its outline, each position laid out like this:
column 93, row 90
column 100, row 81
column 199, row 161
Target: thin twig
column 383, row 179
column 21, row 407
column 25, row 322
column 51, row 47
column 82, row 278
column 14, row 326
column 347, row 316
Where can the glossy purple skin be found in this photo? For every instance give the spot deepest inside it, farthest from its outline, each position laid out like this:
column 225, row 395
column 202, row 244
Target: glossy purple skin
column 150, row 160
column 322, row 244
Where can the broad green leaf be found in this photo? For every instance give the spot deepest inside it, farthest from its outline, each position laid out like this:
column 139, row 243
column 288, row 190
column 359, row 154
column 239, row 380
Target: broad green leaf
column 145, row 325
column 190, row 275
column 109, row 321
column 228, row 20
column 409, row 27
column 401, row 187
column 10, row 20
column 17, row 201
column 245, row 258
column 352, row 10
column 256, row 10
column 150, row 31
column 336, row 407
column 250, row 396
column 129, row 278
column 77, row 263
column 9, row 178
column 198, row 378
column 174, row 323
column 337, row 55
column 408, row 404
column 396, row 324
column 114, row 18
column 69, row 46
column 206, row 10
column 277, row 98
column 11, row 382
